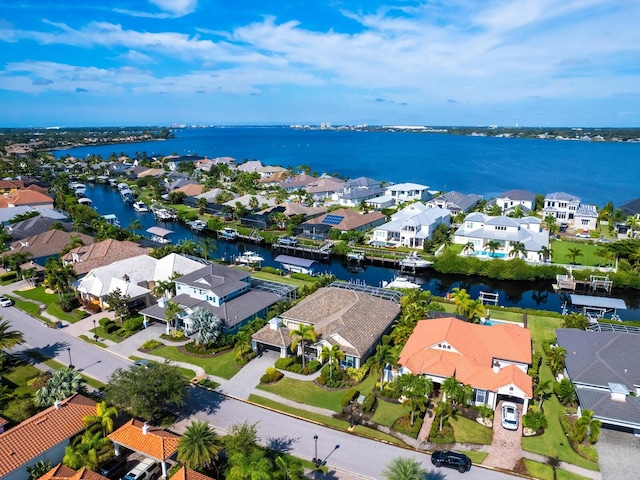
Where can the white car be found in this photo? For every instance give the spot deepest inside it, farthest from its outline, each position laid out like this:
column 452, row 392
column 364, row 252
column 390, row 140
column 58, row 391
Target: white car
column 509, row 416
column 5, row 302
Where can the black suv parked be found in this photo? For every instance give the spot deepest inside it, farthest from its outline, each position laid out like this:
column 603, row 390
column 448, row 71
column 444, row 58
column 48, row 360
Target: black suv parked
column 114, row 468
column 458, row 461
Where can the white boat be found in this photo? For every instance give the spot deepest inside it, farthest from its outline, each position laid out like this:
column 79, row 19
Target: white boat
column 413, row 260
column 140, row 206
column 164, row 214
column 401, row 283
column 228, row 233
column 198, row 225
column 249, row 258
column 160, row 235
column 355, row 256
column 111, row 219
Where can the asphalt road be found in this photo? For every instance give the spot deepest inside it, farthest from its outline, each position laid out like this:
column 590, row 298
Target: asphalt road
column 339, row 449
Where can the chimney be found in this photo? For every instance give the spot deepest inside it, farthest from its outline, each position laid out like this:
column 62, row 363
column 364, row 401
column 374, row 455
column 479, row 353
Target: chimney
column 496, row 366
column 145, row 428
column 57, row 404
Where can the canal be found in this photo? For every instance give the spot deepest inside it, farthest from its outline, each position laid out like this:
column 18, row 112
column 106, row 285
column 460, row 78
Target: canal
column 535, row 295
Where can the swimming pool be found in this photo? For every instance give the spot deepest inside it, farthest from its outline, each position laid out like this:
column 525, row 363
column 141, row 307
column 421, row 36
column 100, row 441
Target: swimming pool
column 488, row 255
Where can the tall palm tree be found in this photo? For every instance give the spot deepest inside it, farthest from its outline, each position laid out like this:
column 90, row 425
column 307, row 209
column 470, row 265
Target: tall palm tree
column 243, row 344
column 333, row 355
column 206, row 245
column 442, row 410
column 170, row 314
column 58, row 277
column 163, row 288
column 87, row 451
column 384, row 356
column 104, row 417
column 492, row 246
column 552, row 223
column 404, row 468
column 188, row 247
column 135, row 226
column 542, row 391
column 201, row 203
column 573, row 254
column 518, row 250
column 460, row 298
column 451, row 388
column 199, row 446
column 545, row 253
column 517, row 212
column 9, row 338
column 415, row 403
column 304, row 332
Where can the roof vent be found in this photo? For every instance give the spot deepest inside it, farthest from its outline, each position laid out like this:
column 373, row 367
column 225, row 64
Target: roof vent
column 145, row 428
column 57, row 404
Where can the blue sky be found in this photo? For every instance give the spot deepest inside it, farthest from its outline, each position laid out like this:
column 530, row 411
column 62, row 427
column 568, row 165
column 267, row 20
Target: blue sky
column 402, row 62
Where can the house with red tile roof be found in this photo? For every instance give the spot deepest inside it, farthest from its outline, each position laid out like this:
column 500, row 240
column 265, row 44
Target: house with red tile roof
column 187, row 474
column 343, row 219
column 87, row 257
column 30, row 198
column 62, row 472
column 43, row 436
column 492, row 359
column 150, row 441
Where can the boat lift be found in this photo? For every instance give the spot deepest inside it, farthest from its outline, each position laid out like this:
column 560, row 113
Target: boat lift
column 597, row 307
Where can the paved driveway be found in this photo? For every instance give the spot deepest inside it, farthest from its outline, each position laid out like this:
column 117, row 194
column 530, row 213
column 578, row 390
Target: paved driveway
column 618, row 454
column 243, row 383
column 506, row 447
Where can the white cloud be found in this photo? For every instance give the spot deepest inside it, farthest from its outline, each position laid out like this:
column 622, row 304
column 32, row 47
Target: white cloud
column 176, row 7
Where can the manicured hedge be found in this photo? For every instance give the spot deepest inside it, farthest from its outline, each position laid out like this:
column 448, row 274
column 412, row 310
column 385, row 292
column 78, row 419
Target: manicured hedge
column 349, row 396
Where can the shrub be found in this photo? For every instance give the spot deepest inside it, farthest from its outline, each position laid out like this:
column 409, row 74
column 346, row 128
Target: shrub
column 132, row 324
column 5, row 277
column 39, row 381
column 271, row 270
column 103, row 322
column 296, row 368
column 484, row 411
column 441, row 436
column 68, row 302
column 284, row 363
column 151, row 344
column 20, row 409
column 536, row 421
column 369, row 403
column 403, row 425
column 321, row 380
column 348, row 397
column 272, row 375
column 357, row 374
column 313, row 366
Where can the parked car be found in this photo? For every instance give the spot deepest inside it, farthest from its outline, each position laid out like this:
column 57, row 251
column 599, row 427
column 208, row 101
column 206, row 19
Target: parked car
column 509, row 416
column 146, row 469
column 455, row 460
column 584, row 234
column 143, row 362
column 5, row 302
column 113, row 468
column 563, row 227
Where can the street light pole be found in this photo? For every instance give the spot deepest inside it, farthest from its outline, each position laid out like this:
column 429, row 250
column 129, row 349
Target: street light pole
column 70, row 362
column 95, row 330
column 315, row 459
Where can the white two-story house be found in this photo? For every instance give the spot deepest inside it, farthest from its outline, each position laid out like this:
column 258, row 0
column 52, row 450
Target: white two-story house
column 412, row 225
column 479, row 229
column 455, row 202
column 508, row 201
column 562, row 206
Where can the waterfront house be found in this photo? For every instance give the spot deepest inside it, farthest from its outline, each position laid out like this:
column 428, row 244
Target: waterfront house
column 135, row 277
column 297, row 182
column 603, row 365
column 357, row 190
column 43, row 436
column 478, row 229
column 48, row 244
column 324, row 188
column 353, row 320
column 407, row 192
column 412, row 226
column 228, row 293
column 8, row 214
column 508, row 201
column 632, row 208
column 27, row 197
column 562, row 206
column 87, row 257
column 586, row 218
column 455, row 202
column 191, row 189
column 343, row 219
column 250, row 166
column 34, row 226
column 492, row 359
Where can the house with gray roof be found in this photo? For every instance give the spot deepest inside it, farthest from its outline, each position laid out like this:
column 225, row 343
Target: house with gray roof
column 586, row 218
column 631, row 208
column 357, row 190
column 228, row 293
column 562, row 206
column 605, row 368
column 508, row 201
column 455, row 202
column 351, row 319
column 412, row 226
column 34, row 226
column 478, row 229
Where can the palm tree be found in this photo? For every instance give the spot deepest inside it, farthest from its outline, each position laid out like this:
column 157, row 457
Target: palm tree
column 492, row 246
column 451, row 388
column 206, row 245
column 290, row 467
column 469, row 247
column 415, row 403
column 460, row 298
column 546, row 253
column 542, row 391
column 552, row 224
column 556, row 359
column 566, row 392
column 58, row 276
column 404, row 468
column 135, row 225
column 495, row 210
column 442, row 410
column 199, row 446
column 170, row 314
column 188, row 247
column 304, row 332
column 38, row 469
column 62, row 384
column 104, row 416
column 333, row 355
column 517, row 250
column 517, row 212
column 384, row 356
column 9, row 338
column 201, row 203
column 164, row 288
column 243, row 344
column 87, row 451
column 573, row 254
column 474, row 309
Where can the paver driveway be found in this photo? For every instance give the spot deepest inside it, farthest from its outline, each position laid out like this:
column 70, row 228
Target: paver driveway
column 506, row 447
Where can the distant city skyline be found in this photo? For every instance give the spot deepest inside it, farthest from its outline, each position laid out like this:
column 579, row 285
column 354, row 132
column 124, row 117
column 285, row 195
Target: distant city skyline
column 396, row 62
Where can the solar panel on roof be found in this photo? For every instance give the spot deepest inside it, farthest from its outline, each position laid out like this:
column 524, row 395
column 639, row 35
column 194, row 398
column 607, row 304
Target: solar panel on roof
column 333, row 219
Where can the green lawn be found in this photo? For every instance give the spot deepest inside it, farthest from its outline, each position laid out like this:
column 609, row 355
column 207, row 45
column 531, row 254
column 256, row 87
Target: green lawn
column 221, row 365
column 50, row 299
column 387, row 413
column 539, row 470
column 468, row 431
column 565, row 475
column 276, row 278
column 561, row 248
column 475, row 457
column 306, row 392
column 29, row 308
column 330, row 421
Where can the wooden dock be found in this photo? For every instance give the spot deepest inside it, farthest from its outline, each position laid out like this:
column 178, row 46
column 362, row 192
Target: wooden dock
column 321, row 253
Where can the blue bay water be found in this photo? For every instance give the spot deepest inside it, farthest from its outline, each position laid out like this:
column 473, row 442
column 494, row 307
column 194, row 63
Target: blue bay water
column 597, row 172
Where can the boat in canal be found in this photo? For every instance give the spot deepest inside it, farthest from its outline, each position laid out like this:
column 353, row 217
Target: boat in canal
column 160, row 235
column 229, row 234
column 249, row 258
column 140, row 207
column 414, row 261
column 400, row 283
column 197, row 225
column 164, row 214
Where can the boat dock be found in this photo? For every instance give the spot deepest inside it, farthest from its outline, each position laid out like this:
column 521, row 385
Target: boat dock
column 595, row 284
column 322, row 253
